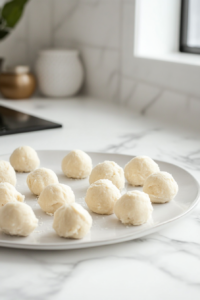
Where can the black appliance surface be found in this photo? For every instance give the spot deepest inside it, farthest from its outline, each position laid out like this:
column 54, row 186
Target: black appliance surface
column 13, row 121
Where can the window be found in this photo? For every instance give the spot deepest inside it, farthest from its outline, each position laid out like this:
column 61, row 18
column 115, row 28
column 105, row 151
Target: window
column 157, row 31
column 190, row 26
column 157, row 27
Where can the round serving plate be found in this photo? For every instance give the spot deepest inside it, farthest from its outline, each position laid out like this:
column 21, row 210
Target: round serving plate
column 106, row 229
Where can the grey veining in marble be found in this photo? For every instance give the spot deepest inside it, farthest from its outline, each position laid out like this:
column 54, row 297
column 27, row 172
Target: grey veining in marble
column 165, row 265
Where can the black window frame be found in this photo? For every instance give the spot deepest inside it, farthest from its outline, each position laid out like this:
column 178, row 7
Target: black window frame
column 184, row 29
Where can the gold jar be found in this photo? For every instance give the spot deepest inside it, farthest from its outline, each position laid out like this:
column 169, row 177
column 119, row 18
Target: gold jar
column 17, row 83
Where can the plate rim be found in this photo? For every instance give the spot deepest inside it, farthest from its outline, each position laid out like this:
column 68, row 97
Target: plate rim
column 128, row 237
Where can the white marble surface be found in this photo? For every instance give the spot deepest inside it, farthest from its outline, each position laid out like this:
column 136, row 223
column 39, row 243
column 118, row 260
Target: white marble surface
column 165, row 265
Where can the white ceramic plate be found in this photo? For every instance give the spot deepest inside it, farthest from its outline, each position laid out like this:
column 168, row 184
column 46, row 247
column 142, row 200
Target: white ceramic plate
column 106, row 229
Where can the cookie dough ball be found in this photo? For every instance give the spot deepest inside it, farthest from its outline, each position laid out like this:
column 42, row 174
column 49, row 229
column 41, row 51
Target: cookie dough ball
column 39, row 179
column 8, row 193
column 24, row 159
column 108, row 170
column 133, row 208
column 72, row 221
column 7, row 173
column 54, row 196
column 161, row 187
column 101, row 197
column 138, row 169
column 77, row 164
column 17, row 218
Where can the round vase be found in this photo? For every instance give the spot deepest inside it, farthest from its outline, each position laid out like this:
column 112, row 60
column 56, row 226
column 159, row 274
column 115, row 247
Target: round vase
column 59, row 72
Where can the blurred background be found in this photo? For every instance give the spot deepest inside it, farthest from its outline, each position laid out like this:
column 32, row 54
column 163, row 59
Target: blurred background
column 133, row 52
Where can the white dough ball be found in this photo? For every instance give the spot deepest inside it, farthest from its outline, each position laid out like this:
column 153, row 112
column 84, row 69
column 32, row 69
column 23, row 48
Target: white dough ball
column 39, row 179
column 54, row 196
column 7, row 173
column 101, row 197
column 72, row 221
column 24, row 159
column 77, row 164
column 17, row 218
column 138, row 169
column 8, row 193
column 108, row 170
column 161, row 187
column 133, row 208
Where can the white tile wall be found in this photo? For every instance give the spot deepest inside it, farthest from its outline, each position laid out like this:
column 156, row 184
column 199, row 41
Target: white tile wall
column 103, row 32
column 91, row 23
column 39, row 27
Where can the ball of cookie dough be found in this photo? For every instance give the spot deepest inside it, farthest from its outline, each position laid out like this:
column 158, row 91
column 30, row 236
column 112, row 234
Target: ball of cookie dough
column 17, row 218
column 77, row 164
column 72, row 221
column 138, row 169
column 108, row 170
column 24, row 159
column 101, row 197
column 54, row 196
column 133, row 208
column 7, row 173
column 39, row 179
column 8, row 193
column 161, row 187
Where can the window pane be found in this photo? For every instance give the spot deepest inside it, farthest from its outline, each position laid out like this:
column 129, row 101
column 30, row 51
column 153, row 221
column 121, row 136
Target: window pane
column 193, row 34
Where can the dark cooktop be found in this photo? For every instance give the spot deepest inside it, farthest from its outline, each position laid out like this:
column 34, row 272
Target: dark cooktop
column 13, row 121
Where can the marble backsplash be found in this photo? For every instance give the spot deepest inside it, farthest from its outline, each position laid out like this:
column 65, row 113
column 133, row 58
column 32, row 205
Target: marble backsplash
column 103, row 32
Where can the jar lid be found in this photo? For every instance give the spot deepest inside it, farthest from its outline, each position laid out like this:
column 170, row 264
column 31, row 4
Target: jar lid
column 17, row 69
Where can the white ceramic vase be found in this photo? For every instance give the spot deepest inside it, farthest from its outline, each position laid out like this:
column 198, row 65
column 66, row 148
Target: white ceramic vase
column 59, row 72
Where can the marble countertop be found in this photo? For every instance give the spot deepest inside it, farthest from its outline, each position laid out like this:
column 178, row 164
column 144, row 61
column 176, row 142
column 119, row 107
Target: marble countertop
column 164, row 265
